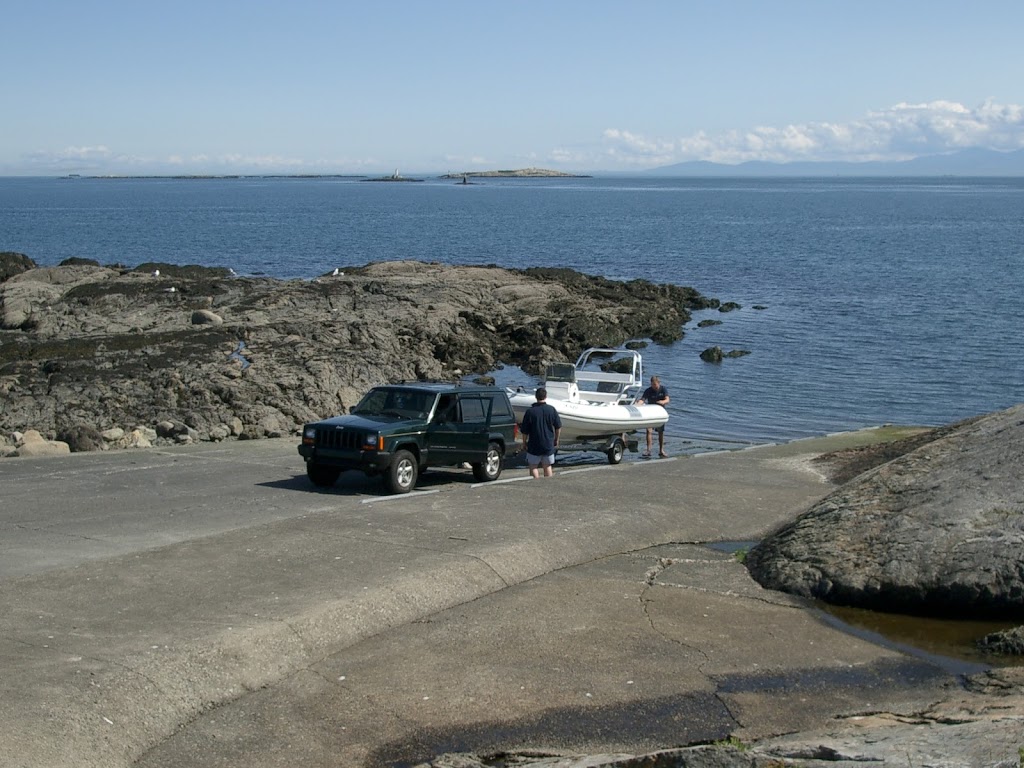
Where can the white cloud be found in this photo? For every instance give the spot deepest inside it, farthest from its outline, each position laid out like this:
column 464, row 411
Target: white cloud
column 70, row 155
column 632, row 149
column 900, row 132
column 100, row 160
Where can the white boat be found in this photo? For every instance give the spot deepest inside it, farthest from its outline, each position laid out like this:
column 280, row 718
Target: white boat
column 596, row 397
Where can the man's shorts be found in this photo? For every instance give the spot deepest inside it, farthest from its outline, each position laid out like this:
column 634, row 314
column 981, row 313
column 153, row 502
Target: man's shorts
column 543, row 461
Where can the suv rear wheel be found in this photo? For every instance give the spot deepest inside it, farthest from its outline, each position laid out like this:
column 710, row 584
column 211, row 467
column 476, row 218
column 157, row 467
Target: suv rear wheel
column 401, row 475
column 490, row 468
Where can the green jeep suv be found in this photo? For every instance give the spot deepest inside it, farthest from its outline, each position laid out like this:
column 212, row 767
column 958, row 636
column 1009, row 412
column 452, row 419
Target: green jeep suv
column 398, row 430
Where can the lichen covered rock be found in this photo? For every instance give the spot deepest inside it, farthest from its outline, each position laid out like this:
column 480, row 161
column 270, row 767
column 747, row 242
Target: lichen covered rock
column 938, row 531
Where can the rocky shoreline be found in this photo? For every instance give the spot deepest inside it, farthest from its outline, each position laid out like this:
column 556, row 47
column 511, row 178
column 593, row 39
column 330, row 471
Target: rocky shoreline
column 105, row 356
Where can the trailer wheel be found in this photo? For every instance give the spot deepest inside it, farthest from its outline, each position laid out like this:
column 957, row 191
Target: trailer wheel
column 616, row 451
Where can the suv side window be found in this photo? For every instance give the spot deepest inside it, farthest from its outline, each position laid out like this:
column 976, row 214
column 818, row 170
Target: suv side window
column 501, row 408
column 472, row 410
column 447, row 410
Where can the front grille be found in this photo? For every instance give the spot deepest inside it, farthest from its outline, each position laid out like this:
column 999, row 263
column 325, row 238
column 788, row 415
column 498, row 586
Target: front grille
column 339, row 439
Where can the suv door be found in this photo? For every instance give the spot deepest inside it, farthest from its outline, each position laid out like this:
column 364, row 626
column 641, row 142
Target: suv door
column 473, row 434
column 458, row 431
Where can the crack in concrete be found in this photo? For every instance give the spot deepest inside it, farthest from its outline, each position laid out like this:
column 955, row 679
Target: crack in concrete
column 694, row 649
column 62, row 534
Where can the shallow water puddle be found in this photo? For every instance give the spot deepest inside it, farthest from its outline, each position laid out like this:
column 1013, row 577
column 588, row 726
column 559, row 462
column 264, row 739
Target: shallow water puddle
column 949, row 643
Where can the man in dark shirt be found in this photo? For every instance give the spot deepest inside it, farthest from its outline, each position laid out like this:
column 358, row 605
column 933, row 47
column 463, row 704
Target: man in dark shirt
column 541, row 426
column 655, row 395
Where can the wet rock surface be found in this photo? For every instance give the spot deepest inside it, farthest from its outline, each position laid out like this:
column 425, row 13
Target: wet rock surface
column 86, row 347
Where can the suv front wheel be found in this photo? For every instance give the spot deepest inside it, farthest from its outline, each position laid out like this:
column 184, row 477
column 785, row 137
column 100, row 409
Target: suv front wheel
column 490, row 468
column 401, row 475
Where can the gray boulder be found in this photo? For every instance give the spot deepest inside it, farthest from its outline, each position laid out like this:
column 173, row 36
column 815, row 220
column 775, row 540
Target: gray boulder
column 81, row 438
column 12, row 264
column 206, row 317
column 939, row 530
column 34, row 445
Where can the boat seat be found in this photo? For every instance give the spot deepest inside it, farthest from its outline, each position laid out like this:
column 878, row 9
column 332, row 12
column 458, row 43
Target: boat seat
column 563, row 390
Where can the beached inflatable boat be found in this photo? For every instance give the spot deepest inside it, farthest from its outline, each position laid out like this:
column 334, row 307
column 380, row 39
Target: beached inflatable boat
column 596, row 397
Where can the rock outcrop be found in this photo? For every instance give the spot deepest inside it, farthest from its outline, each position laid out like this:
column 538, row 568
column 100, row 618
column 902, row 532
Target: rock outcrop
column 717, row 354
column 12, row 264
column 85, row 347
column 939, row 530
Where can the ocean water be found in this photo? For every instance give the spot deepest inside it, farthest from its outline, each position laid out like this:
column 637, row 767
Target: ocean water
column 885, row 300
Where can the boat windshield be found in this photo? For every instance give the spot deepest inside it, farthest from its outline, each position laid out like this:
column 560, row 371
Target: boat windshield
column 610, row 372
column 561, row 372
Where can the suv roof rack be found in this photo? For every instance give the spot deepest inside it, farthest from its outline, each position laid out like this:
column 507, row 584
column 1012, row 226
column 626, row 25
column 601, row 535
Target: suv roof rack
column 445, row 382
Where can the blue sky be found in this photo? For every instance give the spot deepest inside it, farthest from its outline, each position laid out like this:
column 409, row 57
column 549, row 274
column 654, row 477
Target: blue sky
column 454, row 85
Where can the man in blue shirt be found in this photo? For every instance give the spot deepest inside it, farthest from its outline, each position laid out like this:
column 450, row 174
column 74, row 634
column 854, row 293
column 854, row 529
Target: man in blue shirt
column 655, row 395
column 541, row 426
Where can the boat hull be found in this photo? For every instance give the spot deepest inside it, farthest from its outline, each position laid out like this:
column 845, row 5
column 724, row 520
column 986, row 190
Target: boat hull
column 586, row 421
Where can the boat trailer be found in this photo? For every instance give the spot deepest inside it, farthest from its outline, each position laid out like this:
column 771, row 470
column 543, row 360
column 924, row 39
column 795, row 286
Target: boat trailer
column 613, row 446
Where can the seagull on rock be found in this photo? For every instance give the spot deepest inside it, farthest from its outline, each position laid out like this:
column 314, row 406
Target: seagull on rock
column 237, row 355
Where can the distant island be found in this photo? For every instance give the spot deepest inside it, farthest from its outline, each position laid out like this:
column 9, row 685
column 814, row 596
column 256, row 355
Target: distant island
column 522, row 173
column 396, row 176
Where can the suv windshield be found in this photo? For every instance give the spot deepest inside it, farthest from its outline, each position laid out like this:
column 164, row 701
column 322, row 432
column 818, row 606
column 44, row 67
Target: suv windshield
column 401, row 403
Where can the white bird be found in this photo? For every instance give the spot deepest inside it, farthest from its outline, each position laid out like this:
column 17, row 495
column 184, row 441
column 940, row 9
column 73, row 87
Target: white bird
column 237, row 355
column 172, row 289
column 336, row 272
column 156, row 273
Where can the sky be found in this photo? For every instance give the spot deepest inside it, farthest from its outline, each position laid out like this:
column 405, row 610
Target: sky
column 334, row 86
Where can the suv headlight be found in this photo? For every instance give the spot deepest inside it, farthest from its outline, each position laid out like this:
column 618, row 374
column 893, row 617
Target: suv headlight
column 309, row 435
column 373, row 442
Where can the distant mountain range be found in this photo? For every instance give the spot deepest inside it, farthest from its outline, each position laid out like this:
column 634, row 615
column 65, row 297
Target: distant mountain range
column 968, row 162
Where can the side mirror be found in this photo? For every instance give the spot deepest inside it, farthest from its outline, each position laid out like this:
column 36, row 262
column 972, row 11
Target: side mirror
column 351, row 409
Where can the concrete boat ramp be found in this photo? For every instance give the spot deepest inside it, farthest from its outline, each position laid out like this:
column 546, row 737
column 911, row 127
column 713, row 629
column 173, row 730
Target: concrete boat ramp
column 204, row 606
